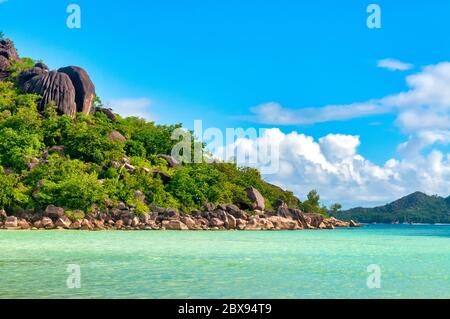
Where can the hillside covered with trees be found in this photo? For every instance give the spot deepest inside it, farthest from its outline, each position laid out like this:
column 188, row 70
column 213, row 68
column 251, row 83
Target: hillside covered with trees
column 414, row 208
column 100, row 160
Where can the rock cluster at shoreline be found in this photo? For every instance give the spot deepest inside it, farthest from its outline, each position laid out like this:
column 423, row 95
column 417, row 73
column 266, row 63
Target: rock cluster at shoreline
column 212, row 217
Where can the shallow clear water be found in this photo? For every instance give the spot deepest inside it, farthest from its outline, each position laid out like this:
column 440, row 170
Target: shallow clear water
column 414, row 262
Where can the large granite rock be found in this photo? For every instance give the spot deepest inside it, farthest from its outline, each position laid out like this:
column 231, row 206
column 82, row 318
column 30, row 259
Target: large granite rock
column 84, row 88
column 54, row 212
column 258, row 200
column 54, row 87
column 174, row 225
column 27, row 75
column 11, row 222
column 70, row 88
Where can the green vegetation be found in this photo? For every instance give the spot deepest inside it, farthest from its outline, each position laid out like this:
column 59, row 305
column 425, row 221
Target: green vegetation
column 20, row 65
column 312, row 204
column 2, row 35
column 48, row 159
column 415, row 208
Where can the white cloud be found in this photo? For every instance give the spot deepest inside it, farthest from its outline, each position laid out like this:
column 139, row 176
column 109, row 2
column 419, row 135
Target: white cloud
column 333, row 166
column 394, row 65
column 429, row 94
column 132, row 107
column 274, row 113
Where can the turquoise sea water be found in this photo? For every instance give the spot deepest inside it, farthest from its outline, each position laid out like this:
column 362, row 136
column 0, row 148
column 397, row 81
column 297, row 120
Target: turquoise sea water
column 414, row 263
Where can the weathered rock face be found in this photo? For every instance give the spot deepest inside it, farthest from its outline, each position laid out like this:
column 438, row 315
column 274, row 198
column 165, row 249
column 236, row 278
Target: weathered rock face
column 174, row 225
column 84, row 88
column 352, row 223
column 4, row 63
column 8, row 50
column 27, row 75
column 42, row 66
column 7, row 54
column 258, row 200
column 53, row 87
column 314, row 220
column 63, row 223
column 54, row 212
column 11, row 222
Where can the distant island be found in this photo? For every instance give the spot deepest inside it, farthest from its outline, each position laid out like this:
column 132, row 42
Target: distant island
column 415, row 208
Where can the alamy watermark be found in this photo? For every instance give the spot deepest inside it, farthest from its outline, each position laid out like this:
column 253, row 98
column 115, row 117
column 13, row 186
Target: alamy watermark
column 74, row 279
column 374, row 19
column 374, row 279
column 74, row 19
column 249, row 147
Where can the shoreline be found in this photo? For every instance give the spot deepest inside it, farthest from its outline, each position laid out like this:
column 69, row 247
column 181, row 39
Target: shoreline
column 212, row 218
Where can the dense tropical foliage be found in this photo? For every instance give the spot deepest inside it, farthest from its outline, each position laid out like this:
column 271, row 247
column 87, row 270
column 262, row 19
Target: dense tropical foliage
column 33, row 174
column 47, row 158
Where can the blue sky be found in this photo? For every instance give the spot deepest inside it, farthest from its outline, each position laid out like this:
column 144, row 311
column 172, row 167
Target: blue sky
column 216, row 60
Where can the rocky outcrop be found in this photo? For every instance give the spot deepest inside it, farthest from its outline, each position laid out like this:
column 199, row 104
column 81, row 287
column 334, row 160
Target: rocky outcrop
column 84, row 88
column 11, row 222
column 8, row 50
column 70, row 88
column 54, row 212
column 120, row 216
column 258, row 200
column 174, row 225
column 53, row 87
column 352, row 223
column 27, row 75
column 8, row 54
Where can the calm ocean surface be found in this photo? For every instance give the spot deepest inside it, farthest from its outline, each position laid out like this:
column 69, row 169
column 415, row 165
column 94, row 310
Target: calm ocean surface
column 414, row 262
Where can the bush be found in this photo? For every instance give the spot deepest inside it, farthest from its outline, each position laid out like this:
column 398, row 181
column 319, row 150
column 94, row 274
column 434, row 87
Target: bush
column 17, row 66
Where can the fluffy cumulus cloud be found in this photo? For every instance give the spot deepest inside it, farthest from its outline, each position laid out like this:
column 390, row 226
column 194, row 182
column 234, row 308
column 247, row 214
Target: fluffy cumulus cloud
column 394, row 65
column 332, row 163
column 333, row 166
column 132, row 107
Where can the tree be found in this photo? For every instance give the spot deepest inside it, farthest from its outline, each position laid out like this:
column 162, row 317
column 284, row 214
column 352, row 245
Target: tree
column 313, row 198
column 335, row 208
column 2, row 35
column 312, row 204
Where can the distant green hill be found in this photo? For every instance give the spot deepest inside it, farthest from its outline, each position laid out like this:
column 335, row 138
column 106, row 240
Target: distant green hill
column 414, row 208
